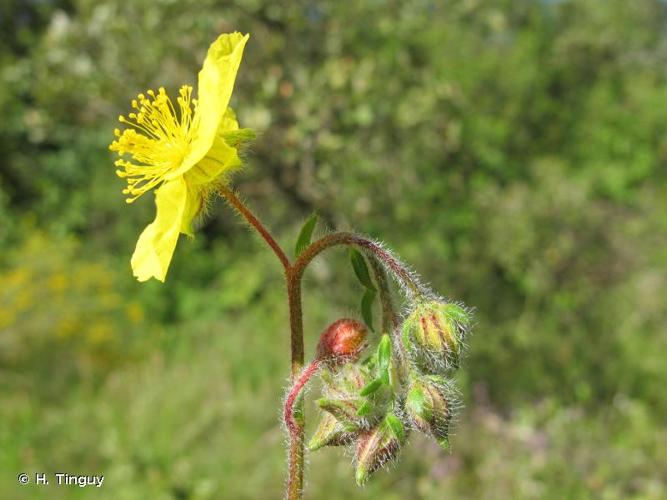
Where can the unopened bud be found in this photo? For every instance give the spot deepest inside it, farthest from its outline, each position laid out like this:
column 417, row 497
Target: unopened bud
column 346, row 400
column 433, row 334
column 329, row 432
column 378, row 446
column 345, row 411
column 342, row 340
column 430, row 405
column 348, row 379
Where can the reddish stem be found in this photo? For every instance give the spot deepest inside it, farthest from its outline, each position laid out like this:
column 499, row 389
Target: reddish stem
column 396, row 267
column 239, row 206
column 292, row 426
column 295, row 477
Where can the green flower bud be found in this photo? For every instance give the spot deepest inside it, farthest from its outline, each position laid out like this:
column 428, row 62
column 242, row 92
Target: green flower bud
column 430, row 405
column 378, row 446
column 329, row 432
column 352, row 378
column 345, row 411
column 433, row 333
column 342, row 396
column 345, row 381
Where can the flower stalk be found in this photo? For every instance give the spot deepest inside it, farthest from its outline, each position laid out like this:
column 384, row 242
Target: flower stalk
column 293, row 285
column 295, row 391
column 389, row 317
column 399, row 271
column 234, row 202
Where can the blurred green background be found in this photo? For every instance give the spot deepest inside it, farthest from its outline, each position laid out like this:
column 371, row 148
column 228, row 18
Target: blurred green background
column 514, row 152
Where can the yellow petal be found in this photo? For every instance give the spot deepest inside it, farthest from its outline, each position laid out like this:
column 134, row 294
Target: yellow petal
column 216, row 81
column 156, row 244
column 193, row 206
column 220, row 159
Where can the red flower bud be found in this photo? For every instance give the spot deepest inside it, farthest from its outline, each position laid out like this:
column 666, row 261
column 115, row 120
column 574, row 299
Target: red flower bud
column 344, row 339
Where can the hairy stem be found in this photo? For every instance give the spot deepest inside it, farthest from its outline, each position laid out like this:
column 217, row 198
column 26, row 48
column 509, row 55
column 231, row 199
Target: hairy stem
column 389, row 319
column 398, row 270
column 296, row 440
column 254, row 222
column 288, row 414
column 296, row 434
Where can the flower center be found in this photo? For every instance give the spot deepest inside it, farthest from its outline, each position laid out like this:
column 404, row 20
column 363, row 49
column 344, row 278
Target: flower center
column 158, row 139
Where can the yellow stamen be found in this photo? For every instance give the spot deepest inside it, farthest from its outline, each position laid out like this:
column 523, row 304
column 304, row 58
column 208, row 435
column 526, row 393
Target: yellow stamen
column 158, row 138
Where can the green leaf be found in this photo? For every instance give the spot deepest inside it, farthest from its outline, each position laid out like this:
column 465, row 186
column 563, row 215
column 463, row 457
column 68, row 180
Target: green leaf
column 305, row 234
column 365, row 409
column 384, row 351
column 371, row 387
column 384, row 376
column 395, row 426
column 367, row 307
column 361, row 269
column 384, row 358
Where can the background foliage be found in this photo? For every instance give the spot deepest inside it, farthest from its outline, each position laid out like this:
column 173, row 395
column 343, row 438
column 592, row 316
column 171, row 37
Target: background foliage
column 513, row 151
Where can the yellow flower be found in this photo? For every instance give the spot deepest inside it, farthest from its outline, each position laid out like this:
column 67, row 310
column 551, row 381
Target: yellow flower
column 185, row 154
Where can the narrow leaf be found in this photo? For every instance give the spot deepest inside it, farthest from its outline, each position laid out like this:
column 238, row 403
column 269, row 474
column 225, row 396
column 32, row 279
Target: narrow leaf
column 384, row 351
column 367, row 307
column 384, row 358
column 361, row 269
column 395, row 426
column 364, row 409
column 371, row 387
column 305, row 234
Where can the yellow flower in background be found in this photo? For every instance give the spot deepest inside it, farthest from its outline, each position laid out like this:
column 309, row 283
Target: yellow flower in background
column 184, row 153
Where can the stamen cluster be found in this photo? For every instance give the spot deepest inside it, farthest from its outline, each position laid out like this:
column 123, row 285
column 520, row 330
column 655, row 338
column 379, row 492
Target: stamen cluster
column 158, row 138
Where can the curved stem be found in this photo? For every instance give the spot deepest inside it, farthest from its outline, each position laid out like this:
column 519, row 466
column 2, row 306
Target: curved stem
column 251, row 219
column 289, row 411
column 402, row 274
